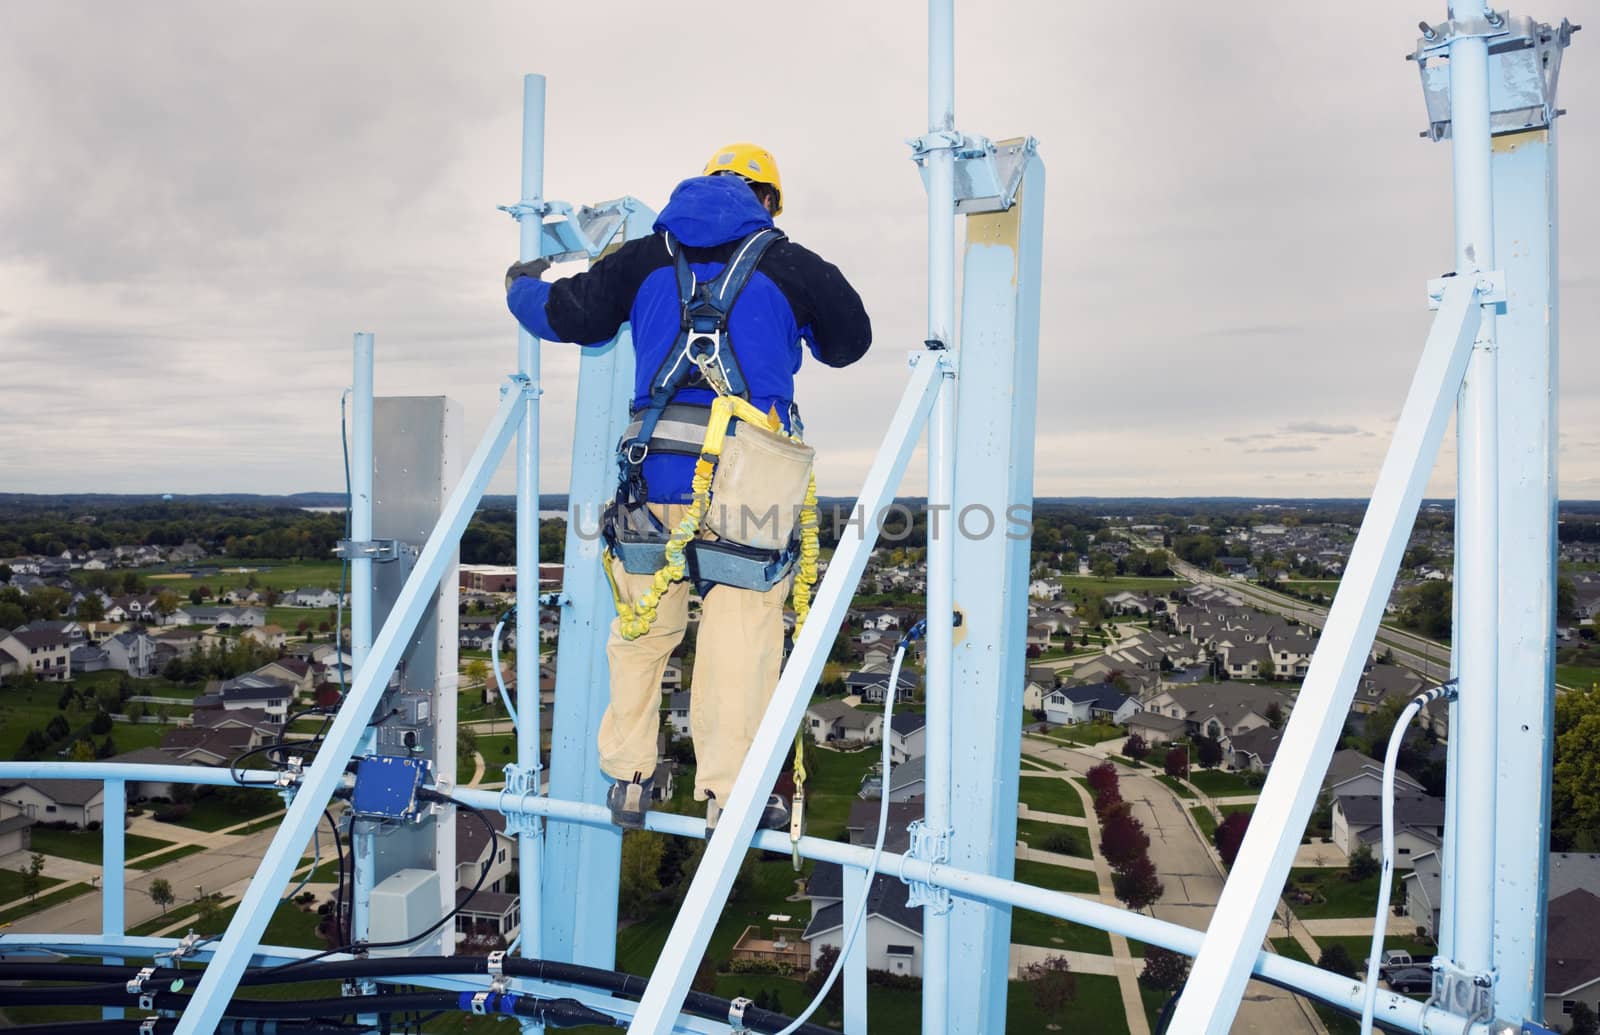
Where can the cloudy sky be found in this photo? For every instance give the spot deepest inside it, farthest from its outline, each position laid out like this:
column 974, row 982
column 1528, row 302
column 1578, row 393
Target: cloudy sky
column 200, row 202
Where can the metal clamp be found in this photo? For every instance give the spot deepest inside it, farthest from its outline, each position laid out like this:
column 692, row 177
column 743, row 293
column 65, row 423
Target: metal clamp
column 736, row 1010
column 187, row 946
column 497, row 971
column 147, row 1026
column 480, row 1003
column 930, row 846
column 147, row 1001
column 520, row 783
column 1524, row 68
column 1490, row 288
column 136, row 983
column 367, row 549
column 291, row 776
column 350, row 988
column 1462, row 993
column 987, row 175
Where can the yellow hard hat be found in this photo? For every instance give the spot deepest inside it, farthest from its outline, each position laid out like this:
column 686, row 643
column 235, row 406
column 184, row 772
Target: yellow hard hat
column 755, row 164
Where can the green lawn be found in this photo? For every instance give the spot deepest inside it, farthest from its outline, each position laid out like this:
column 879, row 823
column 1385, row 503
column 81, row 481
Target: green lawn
column 1029, row 928
column 1359, row 945
column 1035, row 833
column 1056, row 878
column 165, row 857
column 52, row 898
column 1228, row 810
column 832, row 780
column 1332, row 895
column 1178, row 786
column 1155, row 1000
column 212, row 813
column 1040, row 762
column 268, row 574
column 11, row 884
column 85, row 845
column 1075, row 585
column 1049, row 794
column 1336, row 1022
column 1220, row 783
column 1203, row 819
column 1579, row 677
column 1086, row 733
column 1097, row 1008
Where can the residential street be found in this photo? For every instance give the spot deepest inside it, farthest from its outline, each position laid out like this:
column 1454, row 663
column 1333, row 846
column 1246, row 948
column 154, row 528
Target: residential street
column 1193, row 883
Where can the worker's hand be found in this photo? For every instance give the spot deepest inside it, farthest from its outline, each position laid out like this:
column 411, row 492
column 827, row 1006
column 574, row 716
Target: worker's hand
column 532, row 268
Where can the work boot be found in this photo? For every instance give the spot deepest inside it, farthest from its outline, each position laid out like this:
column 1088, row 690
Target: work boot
column 629, row 802
column 774, row 817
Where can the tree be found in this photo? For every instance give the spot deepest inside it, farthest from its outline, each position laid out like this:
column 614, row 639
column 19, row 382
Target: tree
column 1164, row 969
column 1230, row 835
column 1337, row 958
column 1122, row 837
column 1583, row 1020
column 1136, row 747
column 33, row 876
column 91, row 608
column 1566, row 599
column 478, row 670
column 208, row 916
column 1210, row 751
column 1363, row 864
column 641, row 864
column 83, row 751
column 1102, row 777
column 1137, row 885
column 1053, row 984
column 1177, row 762
column 1575, row 783
column 1274, row 715
column 196, row 597
column 161, row 893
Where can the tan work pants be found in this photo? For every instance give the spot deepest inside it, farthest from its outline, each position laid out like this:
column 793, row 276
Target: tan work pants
column 738, row 654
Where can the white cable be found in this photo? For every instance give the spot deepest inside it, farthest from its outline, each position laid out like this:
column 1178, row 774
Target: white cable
column 505, row 696
column 1386, row 874
column 877, row 850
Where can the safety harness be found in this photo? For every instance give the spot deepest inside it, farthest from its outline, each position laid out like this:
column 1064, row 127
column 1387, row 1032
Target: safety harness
column 634, row 537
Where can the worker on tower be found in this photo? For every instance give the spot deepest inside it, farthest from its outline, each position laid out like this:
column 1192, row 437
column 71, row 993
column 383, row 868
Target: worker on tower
column 719, row 301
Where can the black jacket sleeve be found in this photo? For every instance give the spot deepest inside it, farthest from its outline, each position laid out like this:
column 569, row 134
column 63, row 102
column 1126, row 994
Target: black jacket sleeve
column 593, row 305
column 823, row 301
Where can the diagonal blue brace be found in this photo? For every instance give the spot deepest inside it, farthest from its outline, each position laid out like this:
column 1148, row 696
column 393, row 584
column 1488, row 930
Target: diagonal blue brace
column 249, row 922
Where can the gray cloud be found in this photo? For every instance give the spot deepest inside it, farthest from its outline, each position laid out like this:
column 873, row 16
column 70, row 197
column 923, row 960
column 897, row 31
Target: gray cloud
column 198, row 209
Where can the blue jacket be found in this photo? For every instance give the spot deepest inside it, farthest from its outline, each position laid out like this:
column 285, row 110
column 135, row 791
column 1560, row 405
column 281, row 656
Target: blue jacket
column 793, row 295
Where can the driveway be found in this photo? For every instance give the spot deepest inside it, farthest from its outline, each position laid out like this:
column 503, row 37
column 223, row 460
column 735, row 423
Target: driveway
column 1193, row 884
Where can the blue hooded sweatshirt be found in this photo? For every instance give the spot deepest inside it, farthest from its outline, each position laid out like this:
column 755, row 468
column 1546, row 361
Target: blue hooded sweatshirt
column 792, row 295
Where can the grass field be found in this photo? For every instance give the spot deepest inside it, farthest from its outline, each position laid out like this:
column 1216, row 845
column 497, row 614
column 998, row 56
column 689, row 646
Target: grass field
column 269, row 574
column 1337, row 1023
column 1086, row 733
column 1228, row 810
column 1076, row 585
column 86, row 845
column 1042, row 763
column 212, row 813
column 1358, row 945
column 53, row 898
column 1049, row 794
column 1333, row 895
column 1028, row 928
column 1579, row 677
column 1178, row 786
column 1203, row 819
column 1074, row 840
column 11, row 885
column 166, row 857
column 1057, row 878
column 831, row 786
column 1220, row 783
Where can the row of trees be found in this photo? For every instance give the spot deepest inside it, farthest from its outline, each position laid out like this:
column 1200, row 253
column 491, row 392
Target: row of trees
column 1123, row 842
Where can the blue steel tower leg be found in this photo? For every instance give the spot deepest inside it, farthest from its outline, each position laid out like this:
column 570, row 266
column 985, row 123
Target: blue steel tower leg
column 1524, row 172
column 584, row 862
column 994, row 496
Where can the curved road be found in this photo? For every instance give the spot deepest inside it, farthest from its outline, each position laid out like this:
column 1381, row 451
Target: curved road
column 1193, row 884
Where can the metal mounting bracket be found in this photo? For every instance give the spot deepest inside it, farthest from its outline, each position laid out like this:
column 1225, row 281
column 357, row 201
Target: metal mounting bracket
column 736, row 1010
column 1462, row 993
column 931, row 846
column 496, row 966
column 987, row 175
column 1491, row 288
column 186, row 946
column 581, row 233
column 370, row 549
column 521, row 782
column 480, row 1003
column 147, row 1026
column 1524, row 66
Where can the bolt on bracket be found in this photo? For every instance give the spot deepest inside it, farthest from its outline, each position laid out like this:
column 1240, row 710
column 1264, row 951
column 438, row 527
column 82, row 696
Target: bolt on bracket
column 367, row 549
column 1462, row 993
column 1490, row 287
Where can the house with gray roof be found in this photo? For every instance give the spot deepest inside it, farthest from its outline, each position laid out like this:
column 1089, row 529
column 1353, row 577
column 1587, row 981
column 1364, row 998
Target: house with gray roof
column 1418, row 823
column 892, row 932
column 75, row 802
column 45, row 653
column 830, row 720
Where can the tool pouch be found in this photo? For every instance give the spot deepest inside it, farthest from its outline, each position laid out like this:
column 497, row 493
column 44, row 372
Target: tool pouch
column 758, row 488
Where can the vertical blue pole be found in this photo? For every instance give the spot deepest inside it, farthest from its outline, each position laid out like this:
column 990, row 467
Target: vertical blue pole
column 113, row 871
column 855, row 961
column 363, row 842
column 941, row 484
column 530, row 222
column 994, row 481
column 1524, row 167
column 1477, row 494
